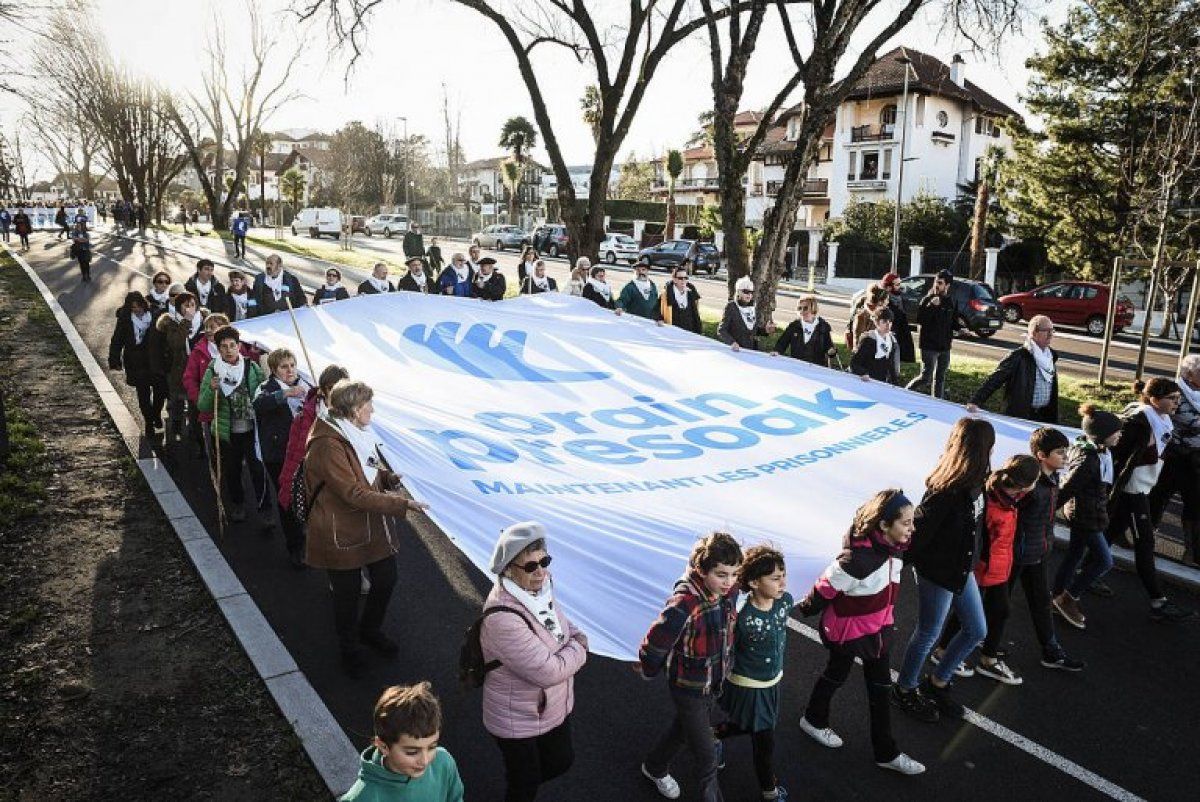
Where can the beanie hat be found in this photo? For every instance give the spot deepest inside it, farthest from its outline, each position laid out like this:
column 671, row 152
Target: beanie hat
column 1100, row 425
column 744, row 283
column 513, row 541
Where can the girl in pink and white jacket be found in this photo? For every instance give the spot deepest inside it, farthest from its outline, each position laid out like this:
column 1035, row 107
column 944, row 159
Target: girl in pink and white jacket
column 528, row 697
column 856, row 597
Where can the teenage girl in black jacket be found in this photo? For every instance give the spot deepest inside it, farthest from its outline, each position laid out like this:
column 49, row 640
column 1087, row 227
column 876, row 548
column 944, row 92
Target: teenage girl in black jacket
column 816, row 347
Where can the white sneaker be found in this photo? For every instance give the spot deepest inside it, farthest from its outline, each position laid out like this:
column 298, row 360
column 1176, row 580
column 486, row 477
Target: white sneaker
column 365, row 585
column 1000, row 672
column 826, row 737
column 666, row 784
column 961, row 670
column 903, row 764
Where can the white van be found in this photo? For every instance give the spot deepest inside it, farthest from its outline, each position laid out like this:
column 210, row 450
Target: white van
column 318, row 221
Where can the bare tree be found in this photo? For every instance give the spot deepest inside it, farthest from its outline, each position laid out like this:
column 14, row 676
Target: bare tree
column 452, row 142
column 14, row 181
column 989, row 172
column 67, row 139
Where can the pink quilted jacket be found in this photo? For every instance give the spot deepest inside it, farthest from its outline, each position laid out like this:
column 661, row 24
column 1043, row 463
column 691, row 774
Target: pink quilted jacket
column 534, row 690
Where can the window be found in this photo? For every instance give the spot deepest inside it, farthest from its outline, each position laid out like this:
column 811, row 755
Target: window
column 920, row 111
column 887, row 116
column 887, row 164
column 1053, row 291
column 943, row 119
column 853, row 165
column 870, row 166
column 986, row 126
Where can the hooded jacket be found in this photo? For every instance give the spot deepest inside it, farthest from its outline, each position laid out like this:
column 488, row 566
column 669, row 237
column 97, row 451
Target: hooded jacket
column 946, row 543
column 1035, row 521
column 1000, row 518
column 377, row 783
column 692, row 638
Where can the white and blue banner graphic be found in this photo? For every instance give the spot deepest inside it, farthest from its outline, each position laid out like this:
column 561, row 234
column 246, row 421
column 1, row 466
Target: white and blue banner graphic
column 42, row 218
column 627, row 440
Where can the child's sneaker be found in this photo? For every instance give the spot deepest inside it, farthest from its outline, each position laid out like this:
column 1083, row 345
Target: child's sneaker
column 825, row 737
column 778, row 795
column 961, row 670
column 999, row 671
column 1068, row 608
column 1060, row 660
column 665, row 784
column 914, row 703
column 941, row 698
column 904, row 764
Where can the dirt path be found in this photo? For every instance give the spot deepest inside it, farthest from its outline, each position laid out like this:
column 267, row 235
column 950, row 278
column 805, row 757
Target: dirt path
column 118, row 675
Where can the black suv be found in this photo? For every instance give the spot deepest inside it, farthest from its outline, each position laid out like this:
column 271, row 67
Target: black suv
column 668, row 255
column 551, row 240
column 974, row 301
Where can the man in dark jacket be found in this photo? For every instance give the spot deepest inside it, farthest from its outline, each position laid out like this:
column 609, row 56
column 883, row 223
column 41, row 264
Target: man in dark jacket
column 416, row 279
column 272, row 287
column 900, row 329
column 938, row 319
column 489, row 283
column 1028, row 376
column 60, row 220
column 239, row 228
column 1181, row 462
column 679, row 304
column 414, row 243
column 209, row 291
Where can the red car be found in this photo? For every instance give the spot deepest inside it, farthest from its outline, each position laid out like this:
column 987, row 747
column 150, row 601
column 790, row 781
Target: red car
column 1068, row 303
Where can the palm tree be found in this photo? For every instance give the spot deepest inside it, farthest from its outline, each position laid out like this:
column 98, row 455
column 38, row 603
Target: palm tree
column 292, row 185
column 511, row 173
column 673, row 162
column 260, row 143
column 518, row 136
column 592, row 110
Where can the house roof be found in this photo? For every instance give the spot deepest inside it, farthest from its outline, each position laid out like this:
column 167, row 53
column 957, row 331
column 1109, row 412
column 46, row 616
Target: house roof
column 494, row 163
column 776, row 139
column 885, row 77
column 321, row 159
column 698, row 154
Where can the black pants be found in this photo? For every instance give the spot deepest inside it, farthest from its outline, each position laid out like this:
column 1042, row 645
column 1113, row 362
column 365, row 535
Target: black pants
column 347, row 586
column 995, row 612
column 1047, row 414
column 239, row 246
column 293, row 530
column 1180, row 474
column 66, row 231
column 762, row 745
column 24, row 241
column 1036, row 586
column 877, row 673
column 238, row 449
column 1132, row 512
column 152, row 397
column 692, row 726
column 4, row 234
column 529, row 762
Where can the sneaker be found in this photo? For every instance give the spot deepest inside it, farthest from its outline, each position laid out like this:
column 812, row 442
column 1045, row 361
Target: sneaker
column 665, row 784
column 825, row 737
column 962, row 670
column 915, row 704
column 1068, row 608
column 780, row 794
column 1061, row 660
column 1101, row 589
column 1000, row 672
column 903, row 764
column 1170, row 612
column 941, row 698
column 380, row 643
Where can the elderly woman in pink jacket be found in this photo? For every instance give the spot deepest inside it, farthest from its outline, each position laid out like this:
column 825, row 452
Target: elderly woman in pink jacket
column 527, row 699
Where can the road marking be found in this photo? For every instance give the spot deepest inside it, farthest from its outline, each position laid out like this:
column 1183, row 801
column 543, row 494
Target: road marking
column 1030, row 747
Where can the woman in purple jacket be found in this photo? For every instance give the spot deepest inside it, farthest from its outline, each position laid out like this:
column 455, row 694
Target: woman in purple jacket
column 527, row 699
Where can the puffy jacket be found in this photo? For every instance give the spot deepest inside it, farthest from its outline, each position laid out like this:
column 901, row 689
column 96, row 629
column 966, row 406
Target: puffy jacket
column 170, row 356
column 1084, row 495
column 1017, row 374
column 533, row 691
column 946, row 544
column 1000, row 519
column 297, row 440
column 692, row 638
column 1035, row 521
column 1186, row 437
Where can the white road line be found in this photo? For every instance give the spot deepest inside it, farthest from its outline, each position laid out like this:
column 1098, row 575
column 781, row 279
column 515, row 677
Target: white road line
column 1012, row 738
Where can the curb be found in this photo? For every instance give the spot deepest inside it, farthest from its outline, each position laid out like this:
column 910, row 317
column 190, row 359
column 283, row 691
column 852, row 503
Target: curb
column 331, row 752
column 1169, row 570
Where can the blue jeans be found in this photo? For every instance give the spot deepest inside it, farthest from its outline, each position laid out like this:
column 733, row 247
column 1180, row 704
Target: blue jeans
column 1093, row 545
column 934, row 603
column 934, row 365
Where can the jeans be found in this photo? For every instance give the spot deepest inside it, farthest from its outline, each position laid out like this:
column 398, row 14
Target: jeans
column 995, row 615
column 878, row 675
column 934, row 365
column 347, row 587
column 762, row 745
column 1037, row 596
column 934, row 603
column 237, row 449
column 1099, row 561
column 1132, row 512
column 691, row 727
column 529, row 762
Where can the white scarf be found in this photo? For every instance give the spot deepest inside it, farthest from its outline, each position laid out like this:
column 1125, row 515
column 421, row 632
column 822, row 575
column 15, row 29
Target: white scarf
column 543, row 282
column 159, row 298
column 644, row 285
column 421, row 278
column 749, row 315
column 883, row 345
column 529, row 268
column 202, row 290
column 229, row 376
column 1192, row 396
column 808, row 329
column 462, row 272
column 196, row 323
column 275, row 285
column 365, row 444
column 681, row 296
column 213, row 353
column 241, row 303
column 601, row 287
column 576, row 287
column 141, row 325
column 1043, row 359
column 540, row 606
column 380, row 284
column 295, row 404
column 1160, row 427
column 1106, row 467
column 482, row 280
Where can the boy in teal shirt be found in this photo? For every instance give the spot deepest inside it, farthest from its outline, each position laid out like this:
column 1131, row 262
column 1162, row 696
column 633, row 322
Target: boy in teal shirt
column 405, row 761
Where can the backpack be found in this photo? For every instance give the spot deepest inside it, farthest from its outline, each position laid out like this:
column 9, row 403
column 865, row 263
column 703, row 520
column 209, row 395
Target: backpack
column 302, row 505
column 471, row 666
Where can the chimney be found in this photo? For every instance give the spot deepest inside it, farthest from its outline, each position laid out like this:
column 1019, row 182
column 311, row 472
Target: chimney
column 958, row 70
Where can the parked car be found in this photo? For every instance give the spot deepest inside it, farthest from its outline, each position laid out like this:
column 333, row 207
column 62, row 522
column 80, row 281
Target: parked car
column 551, row 239
column 502, row 236
column 358, row 224
column 670, row 254
column 1069, row 303
column 386, row 224
column 974, row 301
column 618, row 247
column 318, row 221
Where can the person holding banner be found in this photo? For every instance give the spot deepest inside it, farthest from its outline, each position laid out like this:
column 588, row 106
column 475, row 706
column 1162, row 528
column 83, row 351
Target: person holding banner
column 878, row 354
column 271, row 288
column 808, row 338
column 537, row 281
column 352, row 494
column 416, row 279
column 739, row 326
column 276, row 405
column 597, row 290
column 489, row 283
column 332, row 290
column 640, row 296
column 377, row 282
column 1028, row 376
column 457, row 278
column 679, row 304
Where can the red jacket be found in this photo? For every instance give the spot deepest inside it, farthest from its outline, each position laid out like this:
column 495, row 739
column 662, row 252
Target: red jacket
column 297, row 442
column 1001, row 522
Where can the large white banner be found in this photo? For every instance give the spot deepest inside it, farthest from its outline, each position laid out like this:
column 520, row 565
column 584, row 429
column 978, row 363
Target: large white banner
column 627, row 440
column 42, row 217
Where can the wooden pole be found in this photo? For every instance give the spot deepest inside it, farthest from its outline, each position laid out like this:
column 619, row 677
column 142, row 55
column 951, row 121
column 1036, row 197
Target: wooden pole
column 1111, row 319
column 300, row 337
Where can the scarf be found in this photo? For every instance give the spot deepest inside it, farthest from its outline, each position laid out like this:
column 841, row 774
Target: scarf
column 883, row 345
column 213, row 353
column 203, row 289
column 681, row 297
column 296, row 404
column 380, row 284
column 275, row 285
column 1190, row 395
column 542, row 283
column 159, row 298
column 529, row 268
column 420, row 278
column 808, row 329
column 229, row 376
column 749, row 315
column 601, row 287
column 365, row 444
column 540, row 606
column 241, row 301
column 481, row 280
column 1106, row 466
column 1160, row 427
column 461, row 273
column 576, row 287
column 141, row 325
column 644, row 285
column 1043, row 360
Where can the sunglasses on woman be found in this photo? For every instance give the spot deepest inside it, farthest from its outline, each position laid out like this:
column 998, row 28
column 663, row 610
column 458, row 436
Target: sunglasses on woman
column 533, row 565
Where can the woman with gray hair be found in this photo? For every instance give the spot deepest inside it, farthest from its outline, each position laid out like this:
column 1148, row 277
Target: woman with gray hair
column 1181, row 463
column 352, row 495
column 1029, row 377
column 534, row 652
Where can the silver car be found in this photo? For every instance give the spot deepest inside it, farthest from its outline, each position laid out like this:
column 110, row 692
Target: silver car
column 386, row 224
column 502, row 236
column 619, row 248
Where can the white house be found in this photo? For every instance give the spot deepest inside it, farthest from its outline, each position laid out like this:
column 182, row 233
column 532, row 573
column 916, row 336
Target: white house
column 285, row 142
column 482, row 182
column 581, row 177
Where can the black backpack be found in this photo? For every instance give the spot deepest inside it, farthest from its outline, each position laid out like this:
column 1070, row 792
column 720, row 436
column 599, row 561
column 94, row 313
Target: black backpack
column 471, row 666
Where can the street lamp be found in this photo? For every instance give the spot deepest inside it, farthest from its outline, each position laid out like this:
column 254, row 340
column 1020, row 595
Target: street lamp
column 907, row 62
column 407, row 186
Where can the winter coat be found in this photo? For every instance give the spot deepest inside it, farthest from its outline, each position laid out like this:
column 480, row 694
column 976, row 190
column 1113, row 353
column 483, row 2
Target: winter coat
column 262, row 299
column 197, row 364
column 493, row 289
column 434, row 255
column 231, row 306
column 297, row 439
column 348, row 522
column 60, row 217
column 533, row 691
column 1186, row 437
column 216, row 294
column 946, row 543
column 414, row 244
column 1035, row 521
column 856, row 596
column 692, row 638
column 170, row 356
column 252, row 378
column 864, row 363
column 367, row 288
column 272, row 420
column 324, row 296
column 815, row 351
column 901, row 329
column 595, row 297
column 938, row 322
column 733, row 329
column 670, row 313
column 22, row 224
column 1017, row 374
column 1133, row 449
column 409, row 284
column 633, row 302
column 1000, row 518
column 858, row 324
column 529, row 288
column 124, row 351
column 448, row 280
column 1083, row 493
column 5, row 219
column 439, row 782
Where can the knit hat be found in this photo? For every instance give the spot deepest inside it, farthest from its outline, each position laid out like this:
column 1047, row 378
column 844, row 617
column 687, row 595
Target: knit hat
column 175, row 289
column 744, row 284
column 1100, row 425
column 513, row 541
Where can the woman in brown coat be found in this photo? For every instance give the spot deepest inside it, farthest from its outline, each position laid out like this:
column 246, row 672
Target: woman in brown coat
column 351, row 497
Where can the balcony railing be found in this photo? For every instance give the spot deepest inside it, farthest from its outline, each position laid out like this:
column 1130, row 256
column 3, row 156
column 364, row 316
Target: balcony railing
column 810, row 188
column 873, row 133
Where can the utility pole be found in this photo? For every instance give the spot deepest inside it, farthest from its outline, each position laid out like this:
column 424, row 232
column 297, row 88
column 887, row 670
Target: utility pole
column 907, row 62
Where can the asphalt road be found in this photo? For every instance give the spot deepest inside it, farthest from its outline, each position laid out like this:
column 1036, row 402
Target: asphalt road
column 1124, row 725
